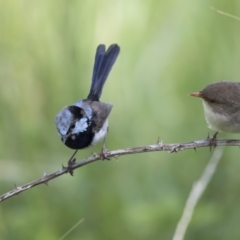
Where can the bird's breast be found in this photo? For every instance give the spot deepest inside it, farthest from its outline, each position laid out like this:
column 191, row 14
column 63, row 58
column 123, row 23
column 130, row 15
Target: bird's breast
column 221, row 122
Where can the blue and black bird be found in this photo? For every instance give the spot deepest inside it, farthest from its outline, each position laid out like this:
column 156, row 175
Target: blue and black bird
column 85, row 122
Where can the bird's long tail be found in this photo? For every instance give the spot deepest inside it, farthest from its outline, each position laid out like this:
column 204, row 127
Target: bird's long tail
column 104, row 60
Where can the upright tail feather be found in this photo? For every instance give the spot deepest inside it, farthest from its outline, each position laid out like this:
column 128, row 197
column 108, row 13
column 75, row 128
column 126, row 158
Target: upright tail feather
column 104, row 60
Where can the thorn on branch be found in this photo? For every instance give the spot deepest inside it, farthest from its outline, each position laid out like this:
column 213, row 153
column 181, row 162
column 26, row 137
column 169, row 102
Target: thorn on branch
column 175, row 148
column 16, row 188
column 46, row 183
column 208, row 137
column 159, row 142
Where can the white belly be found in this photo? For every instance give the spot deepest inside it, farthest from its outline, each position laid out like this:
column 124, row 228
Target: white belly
column 100, row 135
column 220, row 122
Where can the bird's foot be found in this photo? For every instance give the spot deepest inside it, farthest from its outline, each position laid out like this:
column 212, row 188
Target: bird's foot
column 212, row 141
column 71, row 162
column 104, row 153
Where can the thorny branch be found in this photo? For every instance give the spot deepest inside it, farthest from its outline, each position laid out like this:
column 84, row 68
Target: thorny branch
column 159, row 146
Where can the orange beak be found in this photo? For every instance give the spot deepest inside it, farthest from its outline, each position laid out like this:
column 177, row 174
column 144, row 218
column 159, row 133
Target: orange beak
column 196, row 94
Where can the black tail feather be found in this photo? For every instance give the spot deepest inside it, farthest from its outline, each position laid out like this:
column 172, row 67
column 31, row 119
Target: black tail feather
column 102, row 67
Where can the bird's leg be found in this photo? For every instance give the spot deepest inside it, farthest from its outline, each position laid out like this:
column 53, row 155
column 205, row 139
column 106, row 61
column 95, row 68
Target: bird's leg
column 212, row 140
column 71, row 162
column 104, row 151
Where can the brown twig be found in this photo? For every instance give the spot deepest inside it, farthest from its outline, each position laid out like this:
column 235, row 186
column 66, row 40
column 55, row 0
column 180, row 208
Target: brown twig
column 159, row 146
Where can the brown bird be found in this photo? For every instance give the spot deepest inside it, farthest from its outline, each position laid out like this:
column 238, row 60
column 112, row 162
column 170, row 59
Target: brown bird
column 221, row 104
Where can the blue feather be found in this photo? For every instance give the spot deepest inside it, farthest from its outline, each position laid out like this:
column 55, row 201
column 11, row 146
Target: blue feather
column 104, row 60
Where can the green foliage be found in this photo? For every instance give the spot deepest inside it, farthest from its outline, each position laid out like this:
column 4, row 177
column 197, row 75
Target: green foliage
column 168, row 49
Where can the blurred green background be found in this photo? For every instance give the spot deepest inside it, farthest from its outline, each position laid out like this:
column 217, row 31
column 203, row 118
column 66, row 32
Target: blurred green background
column 168, row 49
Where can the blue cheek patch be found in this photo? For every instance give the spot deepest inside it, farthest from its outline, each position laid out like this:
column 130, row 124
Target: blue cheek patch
column 63, row 120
